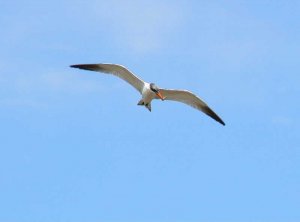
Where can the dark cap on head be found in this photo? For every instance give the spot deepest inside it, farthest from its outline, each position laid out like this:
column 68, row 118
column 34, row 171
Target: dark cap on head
column 153, row 87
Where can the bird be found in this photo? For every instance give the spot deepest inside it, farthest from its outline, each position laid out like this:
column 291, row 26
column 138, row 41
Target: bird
column 150, row 91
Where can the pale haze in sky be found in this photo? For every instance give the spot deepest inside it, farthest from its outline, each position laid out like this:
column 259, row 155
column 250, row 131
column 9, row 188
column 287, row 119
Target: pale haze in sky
column 76, row 147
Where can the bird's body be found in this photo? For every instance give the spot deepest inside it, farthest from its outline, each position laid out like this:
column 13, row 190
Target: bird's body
column 147, row 96
column 150, row 91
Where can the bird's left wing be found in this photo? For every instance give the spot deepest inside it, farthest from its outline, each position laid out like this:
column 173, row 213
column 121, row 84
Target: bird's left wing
column 190, row 99
column 117, row 70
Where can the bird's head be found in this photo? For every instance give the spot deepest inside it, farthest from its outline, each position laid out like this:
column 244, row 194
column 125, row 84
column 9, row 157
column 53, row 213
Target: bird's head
column 156, row 90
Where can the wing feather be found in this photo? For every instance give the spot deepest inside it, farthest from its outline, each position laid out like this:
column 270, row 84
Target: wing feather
column 190, row 99
column 117, row 70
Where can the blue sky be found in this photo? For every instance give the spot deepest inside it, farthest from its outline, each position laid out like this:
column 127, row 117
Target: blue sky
column 76, row 147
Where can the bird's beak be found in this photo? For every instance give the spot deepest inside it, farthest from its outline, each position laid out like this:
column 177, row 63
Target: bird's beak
column 160, row 96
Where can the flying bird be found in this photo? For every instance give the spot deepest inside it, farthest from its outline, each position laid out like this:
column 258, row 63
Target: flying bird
column 150, row 91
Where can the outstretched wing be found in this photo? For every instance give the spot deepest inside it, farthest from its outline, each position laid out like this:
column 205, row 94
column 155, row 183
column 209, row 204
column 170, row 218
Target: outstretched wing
column 116, row 70
column 190, row 99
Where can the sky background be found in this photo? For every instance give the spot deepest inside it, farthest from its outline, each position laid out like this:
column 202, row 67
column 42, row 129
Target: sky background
column 75, row 146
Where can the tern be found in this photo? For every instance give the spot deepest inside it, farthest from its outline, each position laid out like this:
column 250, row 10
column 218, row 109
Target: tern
column 150, row 91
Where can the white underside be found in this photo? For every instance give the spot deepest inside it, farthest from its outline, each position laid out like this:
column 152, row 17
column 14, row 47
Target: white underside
column 147, row 94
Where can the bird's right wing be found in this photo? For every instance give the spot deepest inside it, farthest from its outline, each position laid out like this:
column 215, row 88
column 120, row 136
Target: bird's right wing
column 190, row 99
column 116, row 70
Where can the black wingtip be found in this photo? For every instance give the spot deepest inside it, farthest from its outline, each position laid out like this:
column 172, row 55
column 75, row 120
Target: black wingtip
column 90, row 67
column 75, row 66
column 218, row 119
column 222, row 123
column 213, row 115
